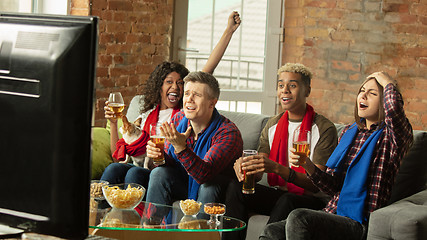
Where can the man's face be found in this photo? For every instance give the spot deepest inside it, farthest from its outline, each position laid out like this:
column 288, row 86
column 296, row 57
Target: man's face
column 292, row 92
column 198, row 106
column 171, row 91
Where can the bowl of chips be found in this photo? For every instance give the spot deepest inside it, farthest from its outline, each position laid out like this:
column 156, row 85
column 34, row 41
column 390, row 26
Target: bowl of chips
column 190, row 207
column 123, row 195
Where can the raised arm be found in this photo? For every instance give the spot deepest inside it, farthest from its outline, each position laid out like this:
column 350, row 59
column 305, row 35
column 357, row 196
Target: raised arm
column 218, row 51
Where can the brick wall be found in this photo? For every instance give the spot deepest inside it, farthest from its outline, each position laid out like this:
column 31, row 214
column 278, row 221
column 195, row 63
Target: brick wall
column 344, row 41
column 134, row 36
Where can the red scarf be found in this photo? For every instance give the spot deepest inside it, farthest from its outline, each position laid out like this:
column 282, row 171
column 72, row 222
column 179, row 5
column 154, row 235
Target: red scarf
column 279, row 149
column 139, row 146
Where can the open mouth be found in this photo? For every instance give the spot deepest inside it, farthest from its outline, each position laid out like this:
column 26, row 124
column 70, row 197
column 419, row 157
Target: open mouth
column 190, row 108
column 173, row 97
column 285, row 99
column 362, row 106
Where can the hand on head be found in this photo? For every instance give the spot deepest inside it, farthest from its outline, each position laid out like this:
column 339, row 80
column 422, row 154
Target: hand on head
column 383, row 78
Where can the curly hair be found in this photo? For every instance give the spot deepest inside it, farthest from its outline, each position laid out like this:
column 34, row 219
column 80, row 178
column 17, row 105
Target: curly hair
column 154, row 83
column 305, row 72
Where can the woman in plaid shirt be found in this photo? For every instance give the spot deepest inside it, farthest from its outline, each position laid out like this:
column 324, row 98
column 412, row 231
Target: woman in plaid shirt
column 361, row 170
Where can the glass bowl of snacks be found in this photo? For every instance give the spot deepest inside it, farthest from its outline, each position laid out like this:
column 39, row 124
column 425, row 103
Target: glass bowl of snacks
column 96, row 189
column 214, row 210
column 123, row 195
column 190, row 207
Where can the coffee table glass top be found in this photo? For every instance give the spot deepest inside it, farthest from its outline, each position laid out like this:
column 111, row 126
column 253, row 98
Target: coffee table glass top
column 156, row 217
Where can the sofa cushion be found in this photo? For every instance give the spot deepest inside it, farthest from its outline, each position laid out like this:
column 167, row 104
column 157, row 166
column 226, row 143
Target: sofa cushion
column 101, row 154
column 412, row 176
column 250, row 126
column 404, row 219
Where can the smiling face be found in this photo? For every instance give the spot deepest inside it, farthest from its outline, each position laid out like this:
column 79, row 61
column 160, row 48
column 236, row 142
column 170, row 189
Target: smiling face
column 292, row 94
column 368, row 102
column 198, row 104
column 171, row 91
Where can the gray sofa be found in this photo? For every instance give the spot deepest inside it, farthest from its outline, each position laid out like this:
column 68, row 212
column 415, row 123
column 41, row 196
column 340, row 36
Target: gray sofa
column 406, row 216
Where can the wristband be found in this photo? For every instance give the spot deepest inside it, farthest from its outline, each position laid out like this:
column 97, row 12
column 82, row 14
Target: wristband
column 291, row 176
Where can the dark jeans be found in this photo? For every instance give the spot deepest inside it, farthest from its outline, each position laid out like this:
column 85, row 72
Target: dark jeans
column 304, row 224
column 169, row 183
column 267, row 201
column 126, row 173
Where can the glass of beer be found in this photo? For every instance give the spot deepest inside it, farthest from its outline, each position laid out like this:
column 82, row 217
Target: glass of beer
column 116, row 103
column 159, row 140
column 301, row 142
column 249, row 180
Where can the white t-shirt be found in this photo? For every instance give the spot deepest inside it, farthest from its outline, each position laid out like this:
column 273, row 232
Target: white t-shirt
column 291, row 128
column 164, row 115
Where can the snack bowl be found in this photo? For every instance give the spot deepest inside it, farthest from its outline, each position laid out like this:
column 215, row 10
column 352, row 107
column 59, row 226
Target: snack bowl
column 123, row 195
column 96, row 189
column 190, row 207
column 214, row 210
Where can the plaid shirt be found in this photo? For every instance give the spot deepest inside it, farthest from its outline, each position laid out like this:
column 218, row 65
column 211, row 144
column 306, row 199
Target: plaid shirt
column 389, row 151
column 226, row 147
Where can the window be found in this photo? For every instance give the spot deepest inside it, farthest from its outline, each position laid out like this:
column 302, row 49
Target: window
column 247, row 72
column 35, row 6
column 16, row 6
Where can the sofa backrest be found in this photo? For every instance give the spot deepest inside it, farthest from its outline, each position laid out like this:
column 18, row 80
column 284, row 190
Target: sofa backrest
column 412, row 176
column 134, row 108
column 250, row 126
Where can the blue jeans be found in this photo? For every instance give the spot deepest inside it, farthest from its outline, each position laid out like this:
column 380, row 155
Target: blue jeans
column 170, row 183
column 126, row 173
column 303, row 224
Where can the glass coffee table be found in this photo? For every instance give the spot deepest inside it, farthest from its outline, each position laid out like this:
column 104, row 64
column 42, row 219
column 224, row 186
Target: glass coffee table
column 156, row 221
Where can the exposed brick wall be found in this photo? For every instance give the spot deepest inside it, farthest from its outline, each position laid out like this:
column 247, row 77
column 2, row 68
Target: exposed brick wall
column 344, row 41
column 134, row 36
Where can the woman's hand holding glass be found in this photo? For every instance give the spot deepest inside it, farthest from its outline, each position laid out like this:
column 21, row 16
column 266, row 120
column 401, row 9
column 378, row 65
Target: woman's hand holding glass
column 108, row 113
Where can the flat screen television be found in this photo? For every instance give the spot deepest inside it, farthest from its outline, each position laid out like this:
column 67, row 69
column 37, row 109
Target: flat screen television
column 47, row 74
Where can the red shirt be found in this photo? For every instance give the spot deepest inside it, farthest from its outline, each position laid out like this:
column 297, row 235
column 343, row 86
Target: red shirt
column 391, row 147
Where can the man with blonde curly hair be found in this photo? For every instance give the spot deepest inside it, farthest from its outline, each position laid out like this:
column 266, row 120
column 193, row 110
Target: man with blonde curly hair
column 289, row 187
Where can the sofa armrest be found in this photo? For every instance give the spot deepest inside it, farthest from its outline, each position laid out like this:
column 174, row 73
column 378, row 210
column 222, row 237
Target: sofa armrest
column 404, row 219
column 101, row 153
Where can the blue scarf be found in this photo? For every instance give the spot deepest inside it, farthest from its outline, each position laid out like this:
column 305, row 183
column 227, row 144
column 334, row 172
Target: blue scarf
column 354, row 190
column 201, row 148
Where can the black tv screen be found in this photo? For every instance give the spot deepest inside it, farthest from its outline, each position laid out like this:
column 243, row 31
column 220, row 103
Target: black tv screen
column 47, row 74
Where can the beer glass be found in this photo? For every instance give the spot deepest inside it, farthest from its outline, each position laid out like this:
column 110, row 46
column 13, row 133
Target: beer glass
column 301, row 142
column 249, row 180
column 159, row 140
column 116, row 103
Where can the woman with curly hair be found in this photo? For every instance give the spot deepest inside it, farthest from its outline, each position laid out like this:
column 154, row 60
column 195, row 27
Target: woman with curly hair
column 162, row 93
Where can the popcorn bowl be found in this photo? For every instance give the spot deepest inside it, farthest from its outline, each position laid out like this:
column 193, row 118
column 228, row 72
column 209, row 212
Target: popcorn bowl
column 123, row 195
column 96, row 189
column 190, row 207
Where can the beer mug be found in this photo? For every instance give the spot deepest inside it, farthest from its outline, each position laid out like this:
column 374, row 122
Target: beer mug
column 159, row 140
column 301, row 142
column 249, row 180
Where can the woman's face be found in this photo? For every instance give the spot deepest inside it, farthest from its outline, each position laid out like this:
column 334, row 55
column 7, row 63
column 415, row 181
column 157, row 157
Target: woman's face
column 171, row 91
column 368, row 102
